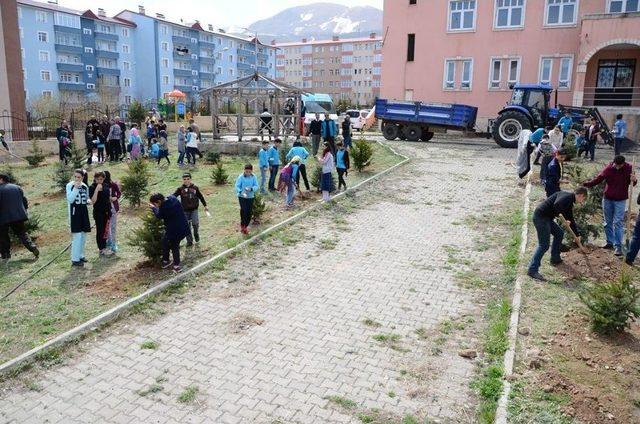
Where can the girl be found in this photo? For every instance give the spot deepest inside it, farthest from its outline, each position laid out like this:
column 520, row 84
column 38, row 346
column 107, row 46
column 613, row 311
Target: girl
column 182, row 145
column 100, row 197
column 78, row 199
column 151, row 134
column 288, row 180
column 246, row 187
column 342, row 164
column 136, row 143
column 192, row 146
column 115, row 193
column 100, row 140
column 326, row 183
column 164, row 147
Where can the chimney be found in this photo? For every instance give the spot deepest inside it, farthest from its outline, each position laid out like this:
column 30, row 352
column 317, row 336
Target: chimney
column 372, row 35
column 102, row 13
column 335, row 38
column 141, row 9
column 304, row 40
column 159, row 16
column 53, row 2
column 210, row 27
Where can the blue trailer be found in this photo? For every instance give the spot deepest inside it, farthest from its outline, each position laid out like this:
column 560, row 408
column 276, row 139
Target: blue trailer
column 415, row 121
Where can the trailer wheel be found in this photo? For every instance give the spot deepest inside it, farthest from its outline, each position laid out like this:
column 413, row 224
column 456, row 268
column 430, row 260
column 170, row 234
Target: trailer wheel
column 508, row 126
column 412, row 132
column 390, row 131
column 426, row 135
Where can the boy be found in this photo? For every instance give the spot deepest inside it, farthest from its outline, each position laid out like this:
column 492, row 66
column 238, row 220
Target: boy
column 554, row 173
column 342, row 165
column 263, row 164
column 164, row 147
column 581, row 143
column 176, row 227
column 565, row 123
column 274, row 163
column 246, row 186
column 620, row 131
column 299, row 150
column 190, row 197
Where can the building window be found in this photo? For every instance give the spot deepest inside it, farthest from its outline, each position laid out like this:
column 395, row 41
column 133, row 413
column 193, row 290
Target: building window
column 86, row 31
column 512, row 71
column 46, row 94
column 125, row 48
column 88, row 50
column 125, row 32
column 89, row 68
column 462, row 15
column 126, row 66
column 165, row 79
column 449, row 74
column 41, row 17
column 413, row 1
column 165, row 46
column 64, row 19
column 164, row 30
column 546, row 67
column 496, row 73
column 127, row 82
column 43, row 56
column 561, row 12
column 509, row 14
column 564, row 75
column 127, row 100
column 466, row 74
column 43, row 36
column 45, row 75
column 91, row 86
column 230, row 72
column 411, row 48
column 623, row 6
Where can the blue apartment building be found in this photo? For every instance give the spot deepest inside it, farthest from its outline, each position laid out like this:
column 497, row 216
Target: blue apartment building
column 76, row 56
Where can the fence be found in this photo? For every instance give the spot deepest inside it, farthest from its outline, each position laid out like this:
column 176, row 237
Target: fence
column 27, row 126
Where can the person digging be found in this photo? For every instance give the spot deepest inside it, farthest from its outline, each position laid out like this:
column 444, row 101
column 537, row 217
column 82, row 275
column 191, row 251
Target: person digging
column 559, row 203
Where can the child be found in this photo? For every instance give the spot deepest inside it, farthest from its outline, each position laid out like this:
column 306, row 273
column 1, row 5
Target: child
column 299, row 150
column 100, row 142
column 154, row 152
column 581, row 143
column 326, row 182
column 176, row 227
column 136, row 143
column 556, row 137
column 115, row 193
column 151, row 134
column 100, row 195
column 192, row 146
column 620, row 131
column 547, row 150
column 288, row 180
column 4, row 143
column 182, row 145
column 78, row 199
column 274, row 163
column 190, row 197
column 342, row 165
column 565, row 123
column 246, row 186
column 164, row 147
column 263, row 164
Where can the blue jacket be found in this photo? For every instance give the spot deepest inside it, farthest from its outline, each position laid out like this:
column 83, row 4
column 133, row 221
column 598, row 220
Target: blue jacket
column 155, row 150
column 329, row 128
column 552, row 180
column 536, row 136
column 580, row 141
column 620, row 128
column 274, row 156
column 565, row 123
column 263, row 158
column 298, row 151
column 242, row 183
column 176, row 226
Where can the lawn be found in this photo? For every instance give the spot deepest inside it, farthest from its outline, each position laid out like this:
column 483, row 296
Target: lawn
column 59, row 297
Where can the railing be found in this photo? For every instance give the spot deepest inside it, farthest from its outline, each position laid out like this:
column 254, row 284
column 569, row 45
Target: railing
column 611, row 96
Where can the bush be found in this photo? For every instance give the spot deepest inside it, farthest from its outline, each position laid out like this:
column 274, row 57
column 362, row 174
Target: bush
column 32, row 226
column 361, row 154
column 148, row 237
column 137, row 113
column 316, row 177
column 135, row 184
column 37, row 156
column 212, row 158
column 8, row 171
column 78, row 156
column 583, row 214
column 61, row 176
column 219, row 176
column 283, row 150
column 259, row 207
column 613, row 305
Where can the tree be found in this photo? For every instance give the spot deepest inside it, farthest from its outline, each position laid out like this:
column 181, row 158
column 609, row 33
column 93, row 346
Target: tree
column 148, row 237
column 361, row 154
column 137, row 113
column 219, row 176
column 61, row 176
column 37, row 156
column 135, row 184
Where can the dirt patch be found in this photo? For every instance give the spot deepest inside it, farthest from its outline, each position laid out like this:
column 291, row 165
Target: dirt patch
column 599, row 374
column 242, row 322
column 598, row 264
column 120, row 285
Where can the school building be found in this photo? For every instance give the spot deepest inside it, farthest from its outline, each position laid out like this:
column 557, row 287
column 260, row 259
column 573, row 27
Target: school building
column 470, row 52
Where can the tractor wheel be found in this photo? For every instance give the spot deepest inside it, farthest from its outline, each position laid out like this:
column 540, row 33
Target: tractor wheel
column 426, row 135
column 412, row 132
column 508, row 126
column 390, row 131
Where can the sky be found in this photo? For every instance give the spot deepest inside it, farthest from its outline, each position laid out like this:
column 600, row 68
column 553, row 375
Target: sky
column 220, row 13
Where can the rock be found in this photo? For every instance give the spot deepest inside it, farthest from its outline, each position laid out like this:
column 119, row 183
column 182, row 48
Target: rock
column 524, row 331
column 585, row 356
column 535, row 364
column 619, row 368
column 511, row 378
column 610, row 416
column 468, row 353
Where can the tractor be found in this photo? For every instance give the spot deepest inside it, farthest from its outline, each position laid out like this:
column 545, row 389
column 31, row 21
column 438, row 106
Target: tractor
column 529, row 108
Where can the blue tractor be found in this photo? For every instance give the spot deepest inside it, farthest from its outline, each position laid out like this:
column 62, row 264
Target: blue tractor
column 530, row 108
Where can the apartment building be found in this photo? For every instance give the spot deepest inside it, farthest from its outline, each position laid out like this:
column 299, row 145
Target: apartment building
column 346, row 69
column 472, row 51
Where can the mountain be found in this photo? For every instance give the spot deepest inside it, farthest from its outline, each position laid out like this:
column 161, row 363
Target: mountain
column 319, row 21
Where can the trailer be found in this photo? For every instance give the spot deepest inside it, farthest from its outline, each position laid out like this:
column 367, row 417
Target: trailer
column 415, row 121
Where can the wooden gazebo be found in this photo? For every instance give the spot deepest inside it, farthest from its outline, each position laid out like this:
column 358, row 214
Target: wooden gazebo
column 259, row 91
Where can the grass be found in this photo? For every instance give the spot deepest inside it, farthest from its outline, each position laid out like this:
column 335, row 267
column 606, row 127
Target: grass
column 527, row 405
column 371, row 323
column 60, row 297
column 149, row 344
column 189, row 394
column 342, row 401
column 328, row 243
column 391, row 394
column 154, row 388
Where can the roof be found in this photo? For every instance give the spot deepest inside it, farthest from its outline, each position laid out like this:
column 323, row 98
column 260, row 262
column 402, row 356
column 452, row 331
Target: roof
column 86, row 14
column 89, row 14
column 339, row 41
column 533, row 86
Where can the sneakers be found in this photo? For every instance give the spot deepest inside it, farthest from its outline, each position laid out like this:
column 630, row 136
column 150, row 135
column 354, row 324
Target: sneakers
column 608, row 246
column 244, row 230
column 35, row 251
column 106, row 252
column 555, row 262
column 177, row 268
column 78, row 263
column 166, row 264
column 84, row 260
column 618, row 251
column 536, row 276
column 189, row 243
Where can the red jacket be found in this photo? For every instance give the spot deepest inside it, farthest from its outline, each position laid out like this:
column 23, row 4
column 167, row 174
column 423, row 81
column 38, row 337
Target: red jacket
column 618, row 180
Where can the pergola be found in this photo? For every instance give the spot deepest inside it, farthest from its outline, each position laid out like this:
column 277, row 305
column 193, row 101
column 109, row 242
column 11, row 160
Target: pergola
column 260, row 91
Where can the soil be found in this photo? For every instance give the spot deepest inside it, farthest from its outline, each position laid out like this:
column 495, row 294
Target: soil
column 599, row 374
column 598, row 264
column 120, row 285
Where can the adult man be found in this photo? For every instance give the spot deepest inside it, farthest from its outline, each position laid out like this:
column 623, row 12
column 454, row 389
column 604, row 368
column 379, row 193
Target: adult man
column 620, row 132
column 315, row 129
column 634, row 247
column 190, row 198
column 64, row 136
column 265, row 123
column 560, row 203
column 617, row 175
column 593, row 130
column 554, row 173
column 13, row 214
column 105, row 126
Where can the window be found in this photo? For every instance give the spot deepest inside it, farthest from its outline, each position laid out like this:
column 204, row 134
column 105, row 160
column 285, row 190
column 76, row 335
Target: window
column 69, row 78
column 45, row 75
column 127, row 82
column 561, row 12
column 462, row 15
column 230, row 72
column 43, row 36
column 164, row 30
column 125, row 48
column 88, row 50
column 64, row 19
column 125, row 32
column 127, row 100
column 411, row 47
column 41, row 17
column 620, row 6
column 467, row 71
column 449, row 74
column 564, row 75
column 546, row 66
column 165, row 46
column 413, row 1
column 466, row 74
column 86, row 31
column 89, row 68
column 46, row 94
column 91, row 86
column 165, row 79
column 230, row 58
column 509, row 14
column 496, row 73
column 126, row 66
column 512, row 72
column 165, row 63
column 43, row 56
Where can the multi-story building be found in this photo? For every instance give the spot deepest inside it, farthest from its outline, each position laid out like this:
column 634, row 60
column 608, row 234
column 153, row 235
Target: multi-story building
column 346, row 69
column 472, row 51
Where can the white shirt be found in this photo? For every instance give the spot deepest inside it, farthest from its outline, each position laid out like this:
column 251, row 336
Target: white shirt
column 192, row 140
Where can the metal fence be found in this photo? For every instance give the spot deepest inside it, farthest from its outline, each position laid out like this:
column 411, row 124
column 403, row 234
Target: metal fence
column 27, row 126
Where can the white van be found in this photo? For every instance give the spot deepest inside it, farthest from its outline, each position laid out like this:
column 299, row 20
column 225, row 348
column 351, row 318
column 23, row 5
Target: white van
column 358, row 118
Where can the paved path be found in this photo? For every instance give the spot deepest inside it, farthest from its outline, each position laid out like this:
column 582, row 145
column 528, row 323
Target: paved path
column 282, row 327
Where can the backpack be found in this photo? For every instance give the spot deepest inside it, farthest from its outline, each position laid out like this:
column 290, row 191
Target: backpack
column 285, row 177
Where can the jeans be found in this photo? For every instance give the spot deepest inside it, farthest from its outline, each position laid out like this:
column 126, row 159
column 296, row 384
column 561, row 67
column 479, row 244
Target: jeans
column 19, row 230
column 315, row 143
column 62, row 153
column 634, row 247
column 347, row 141
column 263, row 178
column 591, row 149
column 174, row 247
column 617, row 145
column 246, row 204
column 273, row 173
column 78, row 241
column 113, row 223
column 181, row 158
column 291, row 192
column 191, row 155
column 545, row 227
column 302, row 170
column 341, row 181
column 100, row 154
column 613, row 211
column 194, row 221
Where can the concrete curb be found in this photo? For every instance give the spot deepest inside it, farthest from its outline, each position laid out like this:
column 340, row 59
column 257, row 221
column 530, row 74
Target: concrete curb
column 113, row 313
column 516, row 302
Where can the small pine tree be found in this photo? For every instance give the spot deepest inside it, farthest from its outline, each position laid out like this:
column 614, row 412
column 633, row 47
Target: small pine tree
column 219, row 176
column 316, row 178
column 137, row 113
column 148, row 237
column 61, row 176
column 78, row 156
column 612, row 306
column 259, row 207
column 8, row 171
column 135, row 184
column 212, row 158
column 361, row 154
column 37, row 155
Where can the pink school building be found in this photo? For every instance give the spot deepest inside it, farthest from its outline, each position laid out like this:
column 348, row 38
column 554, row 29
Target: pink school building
column 466, row 51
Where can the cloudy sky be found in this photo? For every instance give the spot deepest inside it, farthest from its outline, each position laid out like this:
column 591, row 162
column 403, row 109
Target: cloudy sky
column 222, row 13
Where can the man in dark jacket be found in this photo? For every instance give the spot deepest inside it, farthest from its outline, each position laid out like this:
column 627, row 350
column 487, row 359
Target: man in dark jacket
column 190, row 197
column 123, row 144
column 176, row 227
column 13, row 214
column 315, row 129
column 559, row 203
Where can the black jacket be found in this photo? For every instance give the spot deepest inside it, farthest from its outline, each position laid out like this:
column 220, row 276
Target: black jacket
column 315, row 127
column 560, row 203
column 346, row 129
column 190, row 197
column 13, row 204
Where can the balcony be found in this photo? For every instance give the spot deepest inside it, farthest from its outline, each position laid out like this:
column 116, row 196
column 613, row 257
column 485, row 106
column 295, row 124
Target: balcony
column 72, row 86
column 246, row 53
column 246, row 67
column 106, row 36
column 70, row 67
column 67, row 30
column 264, row 57
column 182, row 56
column 207, row 59
column 184, row 88
column 263, row 70
column 108, row 71
column 66, row 48
column 209, row 43
column 179, row 39
column 182, row 72
column 107, row 54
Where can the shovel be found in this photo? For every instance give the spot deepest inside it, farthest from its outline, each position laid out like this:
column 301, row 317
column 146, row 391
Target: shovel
column 566, row 225
column 628, row 230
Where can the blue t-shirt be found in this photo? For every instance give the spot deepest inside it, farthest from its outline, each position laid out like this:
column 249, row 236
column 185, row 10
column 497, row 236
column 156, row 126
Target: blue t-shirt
column 340, row 159
column 620, row 128
column 536, row 136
